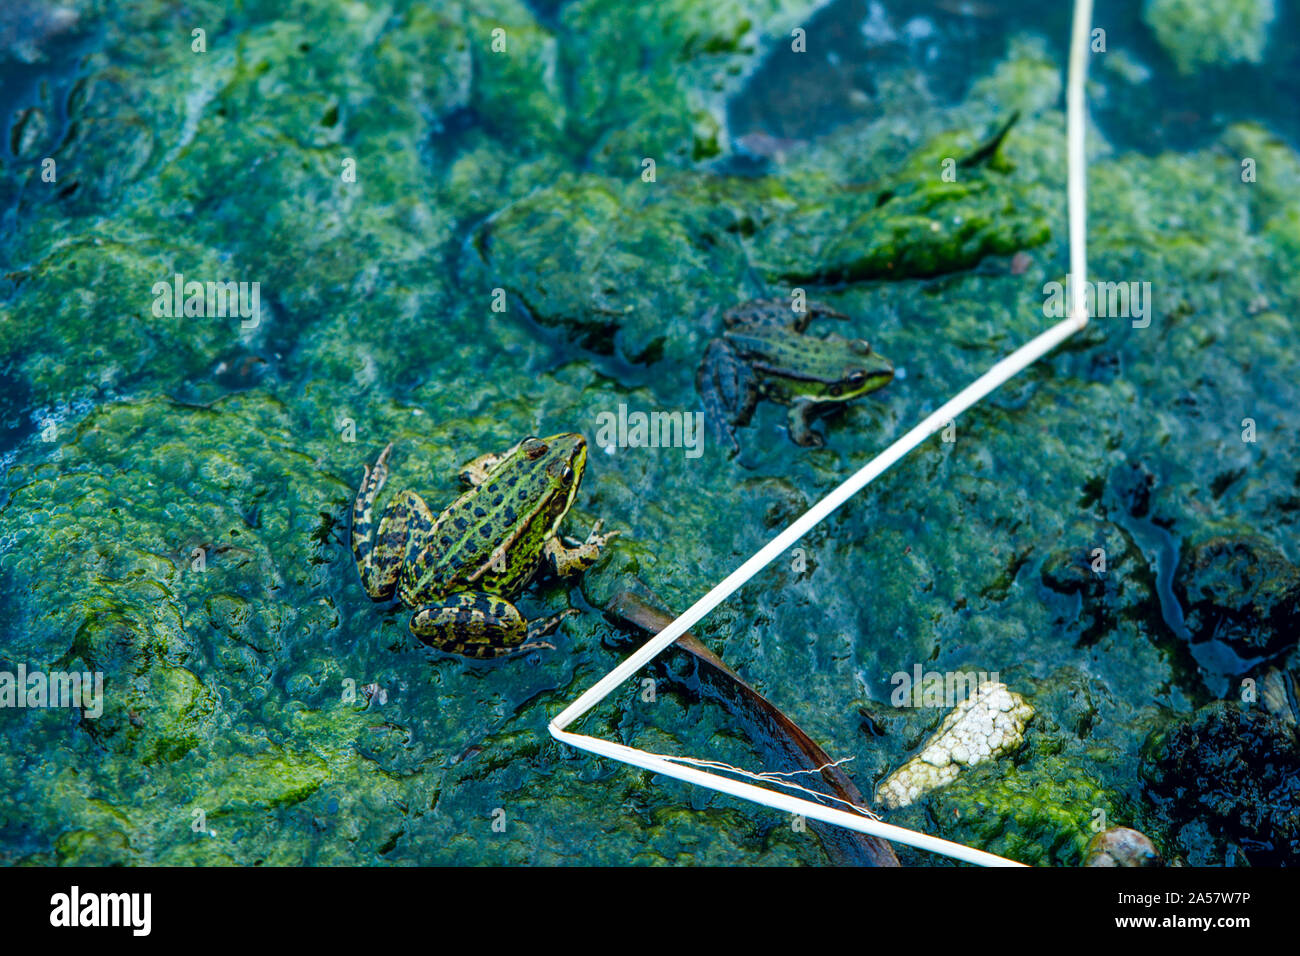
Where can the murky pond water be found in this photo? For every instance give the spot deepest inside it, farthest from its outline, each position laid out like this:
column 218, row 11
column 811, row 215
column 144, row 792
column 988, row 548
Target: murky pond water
column 469, row 223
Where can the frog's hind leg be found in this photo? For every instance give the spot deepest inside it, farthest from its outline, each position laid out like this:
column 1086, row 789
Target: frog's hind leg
column 406, row 519
column 478, row 625
column 379, row 552
column 729, row 391
column 364, row 534
column 778, row 312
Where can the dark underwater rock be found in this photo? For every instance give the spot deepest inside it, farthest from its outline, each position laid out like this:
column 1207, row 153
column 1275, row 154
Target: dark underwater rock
column 1242, row 592
column 1231, row 774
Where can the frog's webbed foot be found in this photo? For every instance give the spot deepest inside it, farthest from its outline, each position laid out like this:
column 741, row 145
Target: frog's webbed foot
column 568, row 560
column 728, row 389
column 479, row 625
column 800, row 421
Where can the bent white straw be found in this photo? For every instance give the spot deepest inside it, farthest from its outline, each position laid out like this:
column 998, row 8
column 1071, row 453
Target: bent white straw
column 1003, row 370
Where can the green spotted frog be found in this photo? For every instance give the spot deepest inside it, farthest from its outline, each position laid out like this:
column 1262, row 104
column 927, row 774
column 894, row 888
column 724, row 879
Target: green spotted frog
column 764, row 354
column 459, row 570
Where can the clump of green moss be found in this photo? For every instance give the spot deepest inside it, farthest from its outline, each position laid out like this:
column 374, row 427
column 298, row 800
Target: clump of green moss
column 1037, row 813
column 632, row 267
column 1041, row 804
column 1198, row 33
column 689, row 56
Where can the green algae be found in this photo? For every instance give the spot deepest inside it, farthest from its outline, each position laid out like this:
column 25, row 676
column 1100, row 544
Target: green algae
column 622, row 263
column 190, row 543
column 1210, row 32
column 692, row 56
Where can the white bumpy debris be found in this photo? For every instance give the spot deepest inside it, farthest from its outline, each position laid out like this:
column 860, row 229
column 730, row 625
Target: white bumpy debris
column 988, row 724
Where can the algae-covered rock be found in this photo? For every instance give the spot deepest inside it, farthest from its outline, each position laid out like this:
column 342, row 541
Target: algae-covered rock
column 92, row 298
column 264, row 780
column 148, row 558
column 517, row 85
column 169, row 714
column 91, row 848
column 1197, row 33
column 255, row 161
column 937, row 213
column 135, row 575
column 568, row 253
column 1037, row 812
column 671, row 109
column 1241, row 592
column 606, row 259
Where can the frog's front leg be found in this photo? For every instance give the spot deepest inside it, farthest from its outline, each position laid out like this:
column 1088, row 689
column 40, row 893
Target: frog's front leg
column 566, row 559
column 480, row 625
column 380, row 551
column 800, row 420
column 729, row 390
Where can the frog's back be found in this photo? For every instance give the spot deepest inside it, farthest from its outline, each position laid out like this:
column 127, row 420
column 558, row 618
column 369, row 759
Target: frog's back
column 460, row 551
column 776, row 313
column 492, row 538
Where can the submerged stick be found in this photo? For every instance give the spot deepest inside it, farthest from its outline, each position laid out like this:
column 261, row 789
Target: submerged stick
column 629, row 608
column 988, row 149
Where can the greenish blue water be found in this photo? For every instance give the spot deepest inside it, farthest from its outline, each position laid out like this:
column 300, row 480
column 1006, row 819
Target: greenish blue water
column 130, row 441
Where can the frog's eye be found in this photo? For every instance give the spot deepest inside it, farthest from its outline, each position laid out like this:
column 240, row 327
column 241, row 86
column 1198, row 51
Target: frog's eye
column 534, row 448
column 861, row 346
column 561, row 472
column 858, row 377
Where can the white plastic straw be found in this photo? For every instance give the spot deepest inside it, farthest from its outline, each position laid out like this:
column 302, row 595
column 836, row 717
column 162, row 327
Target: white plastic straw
column 1003, row 370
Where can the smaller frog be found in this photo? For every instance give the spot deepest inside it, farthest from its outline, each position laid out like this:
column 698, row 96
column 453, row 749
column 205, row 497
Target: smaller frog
column 763, row 353
column 460, row 570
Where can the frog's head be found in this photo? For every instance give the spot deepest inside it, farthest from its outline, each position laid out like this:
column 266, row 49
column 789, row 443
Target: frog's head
column 542, row 476
column 834, row 369
column 867, row 371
